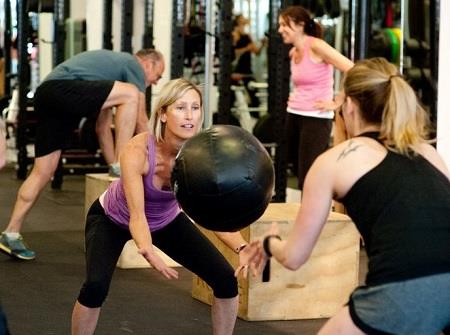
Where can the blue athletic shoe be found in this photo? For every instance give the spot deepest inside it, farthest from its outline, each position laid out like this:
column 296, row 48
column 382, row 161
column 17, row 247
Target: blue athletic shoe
column 15, row 248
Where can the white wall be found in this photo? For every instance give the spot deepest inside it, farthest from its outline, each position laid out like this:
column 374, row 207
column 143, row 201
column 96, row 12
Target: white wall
column 46, row 37
column 162, row 32
column 117, row 24
column 443, row 105
column 94, row 24
column 78, row 9
column 138, row 24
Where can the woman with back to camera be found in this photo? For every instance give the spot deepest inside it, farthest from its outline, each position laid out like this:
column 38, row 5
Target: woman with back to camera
column 311, row 103
column 141, row 206
column 396, row 189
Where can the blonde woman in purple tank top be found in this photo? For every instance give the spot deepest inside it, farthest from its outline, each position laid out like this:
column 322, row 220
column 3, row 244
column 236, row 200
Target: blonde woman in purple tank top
column 141, row 206
column 311, row 104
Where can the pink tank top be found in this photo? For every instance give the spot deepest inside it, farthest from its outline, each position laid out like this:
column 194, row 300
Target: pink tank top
column 312, row 81
column 161, row 207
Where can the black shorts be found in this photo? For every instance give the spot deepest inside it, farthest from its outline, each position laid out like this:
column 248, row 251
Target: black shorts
column 60, row 105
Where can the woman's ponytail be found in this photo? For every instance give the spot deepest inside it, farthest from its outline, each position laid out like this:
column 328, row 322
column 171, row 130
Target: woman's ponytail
column 313, row 28
column 405, row 123
column 384, row 98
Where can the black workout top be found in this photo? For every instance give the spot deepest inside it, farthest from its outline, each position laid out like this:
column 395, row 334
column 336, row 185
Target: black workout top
column 244, row 62
column 402, row 209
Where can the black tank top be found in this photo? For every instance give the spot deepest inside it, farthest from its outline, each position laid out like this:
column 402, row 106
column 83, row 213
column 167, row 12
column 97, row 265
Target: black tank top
column 402, row 209
column 244, row 63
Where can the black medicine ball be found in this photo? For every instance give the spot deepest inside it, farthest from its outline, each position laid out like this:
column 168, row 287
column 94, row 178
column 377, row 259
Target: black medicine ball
column 223, row 178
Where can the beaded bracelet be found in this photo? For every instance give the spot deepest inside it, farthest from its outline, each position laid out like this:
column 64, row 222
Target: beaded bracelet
column 239, row 249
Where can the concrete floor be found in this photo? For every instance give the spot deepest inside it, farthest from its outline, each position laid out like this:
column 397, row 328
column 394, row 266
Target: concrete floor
column 38, row 296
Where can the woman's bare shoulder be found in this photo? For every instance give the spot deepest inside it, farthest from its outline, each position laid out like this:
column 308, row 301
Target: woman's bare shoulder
column 137, row 143
column 432, row 155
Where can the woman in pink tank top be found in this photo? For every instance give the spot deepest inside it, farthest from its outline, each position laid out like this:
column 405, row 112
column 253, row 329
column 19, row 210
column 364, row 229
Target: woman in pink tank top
column 311, row 105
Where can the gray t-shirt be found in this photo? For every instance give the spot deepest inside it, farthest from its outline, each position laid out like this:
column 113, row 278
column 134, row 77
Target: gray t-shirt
column 101, row 65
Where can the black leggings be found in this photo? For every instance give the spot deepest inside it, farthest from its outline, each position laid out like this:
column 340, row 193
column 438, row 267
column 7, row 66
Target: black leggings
column 180, row 240
column 307, row 138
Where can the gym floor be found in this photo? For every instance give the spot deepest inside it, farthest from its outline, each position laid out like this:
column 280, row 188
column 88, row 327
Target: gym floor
column 38, row 296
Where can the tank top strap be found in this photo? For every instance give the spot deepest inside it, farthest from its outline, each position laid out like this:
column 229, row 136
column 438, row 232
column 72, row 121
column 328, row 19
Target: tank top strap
column 375, row 135
column 151, row 148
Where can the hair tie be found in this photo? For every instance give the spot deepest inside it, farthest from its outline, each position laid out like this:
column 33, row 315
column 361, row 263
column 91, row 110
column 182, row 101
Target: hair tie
column 311, row 24
column 394, row 75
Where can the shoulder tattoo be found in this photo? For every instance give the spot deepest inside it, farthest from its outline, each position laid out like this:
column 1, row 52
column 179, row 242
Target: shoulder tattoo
column 351, row 147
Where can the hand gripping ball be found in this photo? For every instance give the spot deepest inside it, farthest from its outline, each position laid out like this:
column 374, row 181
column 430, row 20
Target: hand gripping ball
column 223, row 178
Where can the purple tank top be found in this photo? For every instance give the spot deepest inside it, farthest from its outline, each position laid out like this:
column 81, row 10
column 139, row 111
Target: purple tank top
column 312, row 81
column 161, row 207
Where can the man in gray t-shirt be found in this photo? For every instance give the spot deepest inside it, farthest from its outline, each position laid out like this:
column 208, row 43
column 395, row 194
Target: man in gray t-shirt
column 87, row 85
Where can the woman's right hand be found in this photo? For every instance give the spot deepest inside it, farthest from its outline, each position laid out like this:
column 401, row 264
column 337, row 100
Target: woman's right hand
column 157, row 263
column 326, row 105
column 250, row 258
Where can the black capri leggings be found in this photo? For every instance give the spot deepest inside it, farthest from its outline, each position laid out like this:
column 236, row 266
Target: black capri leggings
column 307, row 138
column 180, row 240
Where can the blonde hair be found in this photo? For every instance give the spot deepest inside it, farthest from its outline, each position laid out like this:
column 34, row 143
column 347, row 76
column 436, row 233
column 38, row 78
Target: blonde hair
column 386, row 99
column 170, row 93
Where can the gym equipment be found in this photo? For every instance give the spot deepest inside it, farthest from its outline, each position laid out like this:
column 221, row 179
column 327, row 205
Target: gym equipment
column 264, row 129
column 225, row 50
column 177, row 49
column 317, row 290
column 386, row 43
column 75, row 31
column 330, row 8
column 279, row 81
column 223, row 178
column 394, row 44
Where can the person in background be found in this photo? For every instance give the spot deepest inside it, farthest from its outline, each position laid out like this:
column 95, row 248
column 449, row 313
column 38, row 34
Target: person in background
column 244, row 47
column 396, row 189
column 141, row 205
column 311, row 103
column 87, row 85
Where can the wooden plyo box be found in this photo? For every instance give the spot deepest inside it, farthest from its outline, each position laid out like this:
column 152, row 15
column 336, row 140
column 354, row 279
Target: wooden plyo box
column 317, row 290
column 96, row 184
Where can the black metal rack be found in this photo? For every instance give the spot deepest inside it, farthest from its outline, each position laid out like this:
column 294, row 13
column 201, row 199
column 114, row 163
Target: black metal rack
column 279, row 74
column 23, row 83
column 107, row 24
column 225, row 51
column 7, row 35
column 177, row 54
column 147, row 39
column 360, row 13
column 147, row 42
column 126, row 33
